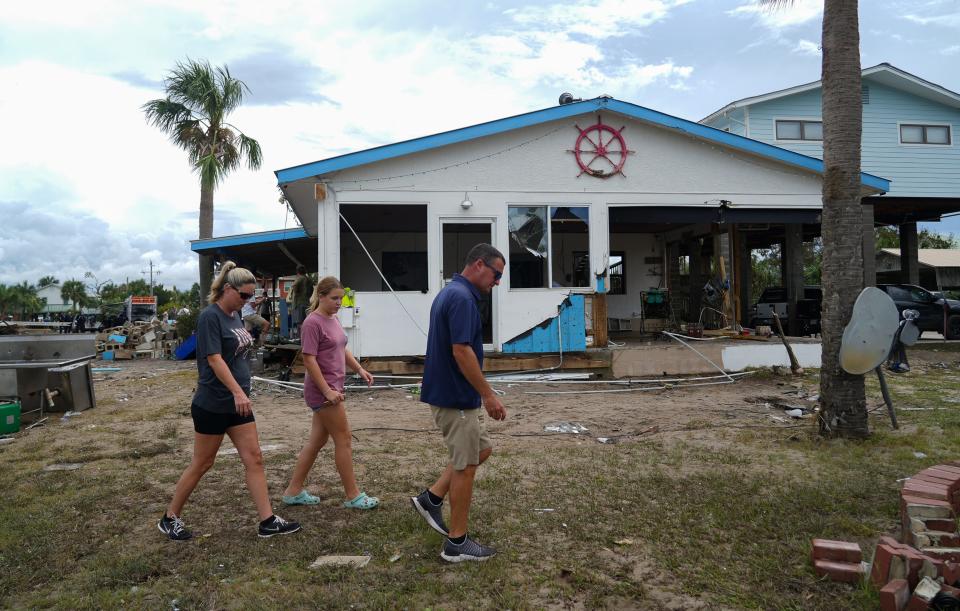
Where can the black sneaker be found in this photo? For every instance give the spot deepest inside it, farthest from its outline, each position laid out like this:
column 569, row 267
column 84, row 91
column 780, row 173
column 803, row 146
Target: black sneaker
column 277, row 526
column 468, row 550
column 433, row 514
column 173, row 528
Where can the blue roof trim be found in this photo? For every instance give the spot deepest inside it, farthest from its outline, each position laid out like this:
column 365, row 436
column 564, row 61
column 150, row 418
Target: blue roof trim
column 248, row 238
column 536, row 117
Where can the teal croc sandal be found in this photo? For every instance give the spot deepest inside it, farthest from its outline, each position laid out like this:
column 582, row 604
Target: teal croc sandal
column 303, row 498
column 362, row 502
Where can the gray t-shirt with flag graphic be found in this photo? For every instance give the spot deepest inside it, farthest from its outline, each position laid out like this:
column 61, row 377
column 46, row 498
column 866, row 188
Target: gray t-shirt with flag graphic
column 223, row 334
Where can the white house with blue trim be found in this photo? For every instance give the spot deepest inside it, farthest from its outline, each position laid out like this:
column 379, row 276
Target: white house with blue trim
column 595, row 196
column 910, row 130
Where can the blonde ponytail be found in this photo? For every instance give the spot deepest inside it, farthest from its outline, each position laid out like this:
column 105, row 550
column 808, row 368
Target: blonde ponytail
column 323, row 287
column 232, row 275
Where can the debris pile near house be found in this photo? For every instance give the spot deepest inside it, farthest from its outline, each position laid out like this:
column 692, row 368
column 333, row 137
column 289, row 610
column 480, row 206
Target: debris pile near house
column 922, row 571
column 153, row 339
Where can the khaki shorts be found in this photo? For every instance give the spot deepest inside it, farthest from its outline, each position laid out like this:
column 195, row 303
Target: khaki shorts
column 464, row 433
column 254, row 321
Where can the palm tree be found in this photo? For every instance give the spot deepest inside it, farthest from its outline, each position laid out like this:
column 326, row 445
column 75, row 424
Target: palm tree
column 199, row 99
column 46, row 281
column 75, row 292
column 842, row 396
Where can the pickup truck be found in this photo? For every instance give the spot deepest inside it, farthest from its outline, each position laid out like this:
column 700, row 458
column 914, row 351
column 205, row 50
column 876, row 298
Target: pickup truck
column 931, row 307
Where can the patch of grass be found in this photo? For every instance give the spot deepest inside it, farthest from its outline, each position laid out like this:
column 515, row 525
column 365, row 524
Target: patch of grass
column 648, row 522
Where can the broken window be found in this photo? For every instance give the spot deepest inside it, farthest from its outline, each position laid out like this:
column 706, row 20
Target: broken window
column 528, row 246
column 683, row 265
column 396, row 237
column 558, row 250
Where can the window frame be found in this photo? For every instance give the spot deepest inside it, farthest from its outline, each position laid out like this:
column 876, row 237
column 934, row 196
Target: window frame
column 801, row 121
column 924, row 125
column 549, row 271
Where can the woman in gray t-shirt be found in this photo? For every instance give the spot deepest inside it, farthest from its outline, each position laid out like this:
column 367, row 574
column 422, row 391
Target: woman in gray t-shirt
column 221, row 404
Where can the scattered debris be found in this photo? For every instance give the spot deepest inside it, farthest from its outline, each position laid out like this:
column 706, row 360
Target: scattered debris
column 919, row 454
column 544, row 510
column 395, row 557
column 574, row 428
column 606, row 440
column 624, row 541
column 39, row 422
column 68, row 466
column 4, row 440
column 354, row 561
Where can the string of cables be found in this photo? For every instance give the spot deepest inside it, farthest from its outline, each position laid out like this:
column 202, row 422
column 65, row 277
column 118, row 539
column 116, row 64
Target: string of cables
column 384, row 278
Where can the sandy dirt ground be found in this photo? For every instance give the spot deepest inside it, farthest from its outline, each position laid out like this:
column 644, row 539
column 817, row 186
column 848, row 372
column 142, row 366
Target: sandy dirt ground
column 400, row 427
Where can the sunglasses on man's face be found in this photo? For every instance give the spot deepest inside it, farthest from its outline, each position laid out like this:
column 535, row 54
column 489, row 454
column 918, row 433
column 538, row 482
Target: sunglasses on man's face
column 497, row 274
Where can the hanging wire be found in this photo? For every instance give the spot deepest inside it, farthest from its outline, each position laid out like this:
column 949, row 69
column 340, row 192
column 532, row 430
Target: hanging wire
column 385, row 281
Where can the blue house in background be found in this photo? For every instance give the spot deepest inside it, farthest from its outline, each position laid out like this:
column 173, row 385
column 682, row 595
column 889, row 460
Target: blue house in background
column 910, row 127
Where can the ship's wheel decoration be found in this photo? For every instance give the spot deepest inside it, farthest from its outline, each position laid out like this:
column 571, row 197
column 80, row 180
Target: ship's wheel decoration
column 600, row 150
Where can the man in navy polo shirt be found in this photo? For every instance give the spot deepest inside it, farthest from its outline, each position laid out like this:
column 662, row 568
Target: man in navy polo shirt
column 454, row 386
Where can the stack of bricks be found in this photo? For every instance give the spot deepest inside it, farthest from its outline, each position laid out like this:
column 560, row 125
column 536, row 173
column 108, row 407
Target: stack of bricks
column 912, row 572
column 838, row 560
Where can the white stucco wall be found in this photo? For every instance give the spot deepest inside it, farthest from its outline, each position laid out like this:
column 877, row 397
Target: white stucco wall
column 532, row 166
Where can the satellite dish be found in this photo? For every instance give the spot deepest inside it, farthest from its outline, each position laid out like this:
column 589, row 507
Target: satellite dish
column 867, row 338
column 910, row 333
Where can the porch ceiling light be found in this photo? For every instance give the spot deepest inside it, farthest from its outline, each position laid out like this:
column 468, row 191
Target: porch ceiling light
column 466, row 204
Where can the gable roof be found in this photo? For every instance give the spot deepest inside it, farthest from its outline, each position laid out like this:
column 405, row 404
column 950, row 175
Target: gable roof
column 885, row 74
column 603, row 103
column 931, row 257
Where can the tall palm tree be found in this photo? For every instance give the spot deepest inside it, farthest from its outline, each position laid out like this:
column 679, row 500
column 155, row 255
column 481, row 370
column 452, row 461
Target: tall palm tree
column 75, row 292
column 46, row 281
column 199, row 99
column 842, row 396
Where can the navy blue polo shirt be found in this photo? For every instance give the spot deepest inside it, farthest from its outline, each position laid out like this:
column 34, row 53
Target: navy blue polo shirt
column 454, row 319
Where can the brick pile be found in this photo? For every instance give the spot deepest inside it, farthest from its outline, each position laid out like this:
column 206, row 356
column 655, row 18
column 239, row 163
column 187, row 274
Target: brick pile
column 925, row 563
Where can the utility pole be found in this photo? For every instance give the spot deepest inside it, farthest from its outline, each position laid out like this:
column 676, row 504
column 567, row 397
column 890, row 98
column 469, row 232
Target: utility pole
column 151, row 272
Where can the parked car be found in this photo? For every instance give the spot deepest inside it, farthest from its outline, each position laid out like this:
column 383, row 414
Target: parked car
column 930, row 306
column 774, row 299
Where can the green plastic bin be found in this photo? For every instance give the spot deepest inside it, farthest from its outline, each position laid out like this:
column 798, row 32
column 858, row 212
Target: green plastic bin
column 9, row 416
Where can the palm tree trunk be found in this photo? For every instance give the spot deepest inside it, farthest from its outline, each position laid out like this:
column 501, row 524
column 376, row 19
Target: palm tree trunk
column 843, row 402
column 206, row 231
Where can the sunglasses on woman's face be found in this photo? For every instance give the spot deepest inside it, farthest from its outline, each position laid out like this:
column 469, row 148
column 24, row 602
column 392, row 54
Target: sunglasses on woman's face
column 244, row 296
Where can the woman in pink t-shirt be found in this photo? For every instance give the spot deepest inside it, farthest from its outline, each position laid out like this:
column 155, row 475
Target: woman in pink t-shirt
column 325, row 354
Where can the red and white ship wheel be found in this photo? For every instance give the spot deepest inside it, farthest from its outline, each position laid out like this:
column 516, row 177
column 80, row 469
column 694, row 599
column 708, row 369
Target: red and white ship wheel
column 600, row 150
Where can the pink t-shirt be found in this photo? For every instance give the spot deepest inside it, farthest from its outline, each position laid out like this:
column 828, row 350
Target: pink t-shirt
column 324, row 338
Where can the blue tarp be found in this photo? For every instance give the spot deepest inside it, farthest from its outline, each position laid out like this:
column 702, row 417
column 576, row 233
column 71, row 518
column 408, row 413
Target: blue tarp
column 188, row 349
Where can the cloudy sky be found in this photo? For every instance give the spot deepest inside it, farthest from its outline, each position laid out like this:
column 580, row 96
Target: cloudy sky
column 87, row 185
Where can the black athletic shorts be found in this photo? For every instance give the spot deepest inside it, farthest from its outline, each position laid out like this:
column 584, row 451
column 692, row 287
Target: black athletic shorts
column 212, row 423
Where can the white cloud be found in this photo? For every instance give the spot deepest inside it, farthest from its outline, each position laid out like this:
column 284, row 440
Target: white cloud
column 950, row 20
column 807, row 47
column 951, row 50
column 597, row 18
column 780, row 16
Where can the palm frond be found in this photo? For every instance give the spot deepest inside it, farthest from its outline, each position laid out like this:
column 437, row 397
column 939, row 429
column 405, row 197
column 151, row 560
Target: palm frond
column 231, row 90
column 165, row 113
column 192, row 83
column 210, row 169
column 188, row 135
column 776, row 5
column 250, row 150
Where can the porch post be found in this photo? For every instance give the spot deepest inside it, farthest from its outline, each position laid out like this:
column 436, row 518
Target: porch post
column 909, row 255
column 696, row 279
column 744, row 277
column 869, row 247
column 793, row 276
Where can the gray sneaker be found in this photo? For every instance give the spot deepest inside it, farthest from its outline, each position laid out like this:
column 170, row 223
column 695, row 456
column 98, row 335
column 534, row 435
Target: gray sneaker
column 468, row 550
column 433, row 514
